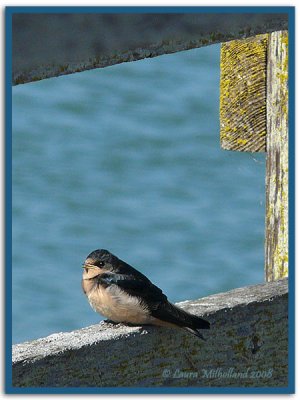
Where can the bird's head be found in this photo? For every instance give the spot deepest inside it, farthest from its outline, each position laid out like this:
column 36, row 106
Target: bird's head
column 99, row 262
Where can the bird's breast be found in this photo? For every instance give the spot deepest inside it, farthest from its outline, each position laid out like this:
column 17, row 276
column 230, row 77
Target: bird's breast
column 116, row 305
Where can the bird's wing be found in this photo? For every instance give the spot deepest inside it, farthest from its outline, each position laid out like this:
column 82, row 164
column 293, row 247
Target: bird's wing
column 155, row 300
column 135, row 286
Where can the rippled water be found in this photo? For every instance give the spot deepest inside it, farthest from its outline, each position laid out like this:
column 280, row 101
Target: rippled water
column 128, row 158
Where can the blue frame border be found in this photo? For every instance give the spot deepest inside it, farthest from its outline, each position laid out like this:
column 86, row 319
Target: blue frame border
column 9, row 12
column 8, row 203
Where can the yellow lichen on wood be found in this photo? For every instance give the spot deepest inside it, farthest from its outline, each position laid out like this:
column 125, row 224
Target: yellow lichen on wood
column 243, row 94
column 276, row 257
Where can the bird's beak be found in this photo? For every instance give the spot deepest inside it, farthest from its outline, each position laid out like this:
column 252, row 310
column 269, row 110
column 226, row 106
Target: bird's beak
column 88, row 266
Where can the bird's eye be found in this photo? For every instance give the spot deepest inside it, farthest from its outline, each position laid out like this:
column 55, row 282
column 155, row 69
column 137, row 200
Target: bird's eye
column 100, row 264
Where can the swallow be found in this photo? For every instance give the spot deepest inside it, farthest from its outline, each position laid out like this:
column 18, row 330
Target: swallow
column 124, row 295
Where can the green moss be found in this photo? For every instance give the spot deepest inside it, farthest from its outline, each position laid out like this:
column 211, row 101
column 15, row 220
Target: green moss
column 240, row 348
column 63, row 68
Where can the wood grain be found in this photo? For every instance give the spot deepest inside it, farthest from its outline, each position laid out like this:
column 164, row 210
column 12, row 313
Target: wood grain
column 276, row 253
column 243, row 94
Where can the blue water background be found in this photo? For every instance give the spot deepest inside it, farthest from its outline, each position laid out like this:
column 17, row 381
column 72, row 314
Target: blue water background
column 128, row 158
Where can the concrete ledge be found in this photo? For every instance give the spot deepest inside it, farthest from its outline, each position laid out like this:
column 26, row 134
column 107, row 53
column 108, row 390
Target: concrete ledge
column 47, row 45
column 247, row 346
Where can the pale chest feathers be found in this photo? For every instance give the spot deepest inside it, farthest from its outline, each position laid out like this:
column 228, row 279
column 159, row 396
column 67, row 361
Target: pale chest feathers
column 116, row 305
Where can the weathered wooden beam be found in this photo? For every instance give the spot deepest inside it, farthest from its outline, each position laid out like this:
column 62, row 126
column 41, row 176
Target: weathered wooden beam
column 276, row 249
column 47, row 45
column 243, row 94
column 247, row 346
column 254, row 117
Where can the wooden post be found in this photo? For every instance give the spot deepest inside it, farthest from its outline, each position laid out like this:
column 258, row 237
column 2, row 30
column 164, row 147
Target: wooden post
column 276, row 249
column 254, row 117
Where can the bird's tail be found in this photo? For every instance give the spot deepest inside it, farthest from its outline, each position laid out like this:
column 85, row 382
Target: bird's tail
column 195, row 324
column 194, row 332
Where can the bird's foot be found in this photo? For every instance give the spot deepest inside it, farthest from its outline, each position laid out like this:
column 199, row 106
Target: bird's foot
column 113, row 324
column 110, row 322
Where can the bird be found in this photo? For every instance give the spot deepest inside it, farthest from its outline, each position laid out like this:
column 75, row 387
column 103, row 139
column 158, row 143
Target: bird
column 122, row 294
